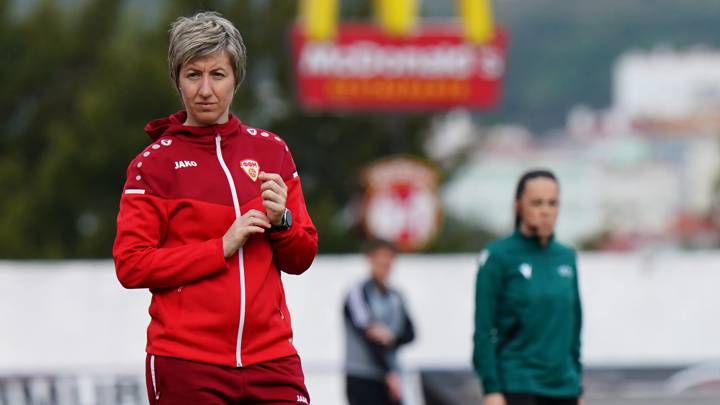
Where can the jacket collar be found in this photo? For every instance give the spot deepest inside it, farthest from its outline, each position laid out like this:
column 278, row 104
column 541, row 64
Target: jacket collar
column 173, row 126
column 533, row 241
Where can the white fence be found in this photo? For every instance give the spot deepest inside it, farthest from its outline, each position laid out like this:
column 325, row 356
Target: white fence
column 74, row 317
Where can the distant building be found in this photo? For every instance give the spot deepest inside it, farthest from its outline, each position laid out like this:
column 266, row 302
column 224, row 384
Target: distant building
column 667, row 84
column 642, row 174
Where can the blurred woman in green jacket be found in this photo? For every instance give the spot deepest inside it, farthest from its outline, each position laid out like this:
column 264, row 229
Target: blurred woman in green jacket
column 527, row 311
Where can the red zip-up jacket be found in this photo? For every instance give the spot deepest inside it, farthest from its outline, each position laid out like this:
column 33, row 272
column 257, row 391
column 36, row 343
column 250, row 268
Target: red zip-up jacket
column 181, row 195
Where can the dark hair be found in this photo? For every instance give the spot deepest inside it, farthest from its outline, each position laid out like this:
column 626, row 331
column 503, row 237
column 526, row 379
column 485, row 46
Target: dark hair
column 522, row 183
column 374, row 245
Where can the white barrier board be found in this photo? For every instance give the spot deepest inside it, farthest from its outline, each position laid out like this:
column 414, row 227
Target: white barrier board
column 640, row 310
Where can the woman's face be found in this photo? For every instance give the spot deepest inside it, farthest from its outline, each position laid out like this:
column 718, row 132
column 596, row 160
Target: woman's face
column 207, row 85
column 538, row 207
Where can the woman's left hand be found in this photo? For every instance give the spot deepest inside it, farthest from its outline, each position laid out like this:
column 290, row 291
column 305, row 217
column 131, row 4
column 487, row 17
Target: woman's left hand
column 274, row 196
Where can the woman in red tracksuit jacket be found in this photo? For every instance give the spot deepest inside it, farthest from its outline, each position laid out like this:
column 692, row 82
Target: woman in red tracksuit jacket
column 212, row 211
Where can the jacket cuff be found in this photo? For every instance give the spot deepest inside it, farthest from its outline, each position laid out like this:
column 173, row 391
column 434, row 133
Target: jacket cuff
column 281, row 235
column 220, row 249
column 490, row 386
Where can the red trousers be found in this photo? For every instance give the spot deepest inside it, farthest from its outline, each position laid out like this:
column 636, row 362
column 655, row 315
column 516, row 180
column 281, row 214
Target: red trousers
column 172, row 381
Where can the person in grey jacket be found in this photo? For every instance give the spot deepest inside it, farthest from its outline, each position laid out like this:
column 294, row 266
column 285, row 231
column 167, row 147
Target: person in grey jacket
column 376, row 325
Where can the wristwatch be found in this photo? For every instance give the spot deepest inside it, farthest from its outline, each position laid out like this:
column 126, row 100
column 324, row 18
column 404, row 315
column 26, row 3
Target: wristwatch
column 285, row 222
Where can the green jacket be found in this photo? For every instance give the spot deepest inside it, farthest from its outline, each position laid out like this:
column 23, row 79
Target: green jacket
column 528, row 318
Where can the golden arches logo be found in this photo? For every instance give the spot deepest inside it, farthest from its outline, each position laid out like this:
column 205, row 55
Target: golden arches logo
column 319, row 18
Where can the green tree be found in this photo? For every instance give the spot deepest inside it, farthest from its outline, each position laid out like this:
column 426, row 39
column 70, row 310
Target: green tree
column 78, row 85
column 73, row 110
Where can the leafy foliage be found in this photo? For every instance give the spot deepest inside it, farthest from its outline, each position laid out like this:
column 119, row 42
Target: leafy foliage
column 78, row 85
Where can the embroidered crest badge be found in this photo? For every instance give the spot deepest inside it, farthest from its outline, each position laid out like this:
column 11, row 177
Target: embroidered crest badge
column 251, row 168
column 526, row 270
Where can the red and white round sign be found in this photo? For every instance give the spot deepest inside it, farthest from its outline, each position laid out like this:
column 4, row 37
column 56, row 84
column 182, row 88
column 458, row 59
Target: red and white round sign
column 401, row 203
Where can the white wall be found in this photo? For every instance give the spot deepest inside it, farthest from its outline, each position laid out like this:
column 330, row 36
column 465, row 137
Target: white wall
column 639, row 310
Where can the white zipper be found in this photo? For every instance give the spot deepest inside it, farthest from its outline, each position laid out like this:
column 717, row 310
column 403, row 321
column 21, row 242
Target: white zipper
column 152, row 376
column 236, row 204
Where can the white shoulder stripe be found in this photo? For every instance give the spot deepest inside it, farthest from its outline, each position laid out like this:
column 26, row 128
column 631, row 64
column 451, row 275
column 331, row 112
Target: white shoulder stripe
column 134, row 191
column 358, row 308
column 295, row 175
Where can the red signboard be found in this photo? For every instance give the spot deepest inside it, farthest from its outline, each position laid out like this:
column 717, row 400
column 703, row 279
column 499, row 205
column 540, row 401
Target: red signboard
column 363, row 69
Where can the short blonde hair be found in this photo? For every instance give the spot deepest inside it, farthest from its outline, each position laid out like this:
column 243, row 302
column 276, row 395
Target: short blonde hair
column 204, row 34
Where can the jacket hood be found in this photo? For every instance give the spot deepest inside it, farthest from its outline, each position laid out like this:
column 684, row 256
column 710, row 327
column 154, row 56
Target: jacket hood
column 173, row 125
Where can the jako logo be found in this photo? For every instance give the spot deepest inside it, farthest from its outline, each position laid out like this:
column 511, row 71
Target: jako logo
column 302, row 399
column 185, row 163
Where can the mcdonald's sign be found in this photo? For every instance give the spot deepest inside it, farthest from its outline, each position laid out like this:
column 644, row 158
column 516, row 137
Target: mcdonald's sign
column 397, row 65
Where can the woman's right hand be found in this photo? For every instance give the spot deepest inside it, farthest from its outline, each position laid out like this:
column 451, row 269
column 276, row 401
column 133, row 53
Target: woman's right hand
column 494, row 399
column 251, row 222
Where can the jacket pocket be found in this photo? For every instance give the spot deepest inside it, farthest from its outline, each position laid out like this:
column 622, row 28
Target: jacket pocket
column 166, row 308
column 281, row 307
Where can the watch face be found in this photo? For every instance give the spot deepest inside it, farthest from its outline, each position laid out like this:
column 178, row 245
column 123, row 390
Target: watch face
column 287, row 219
